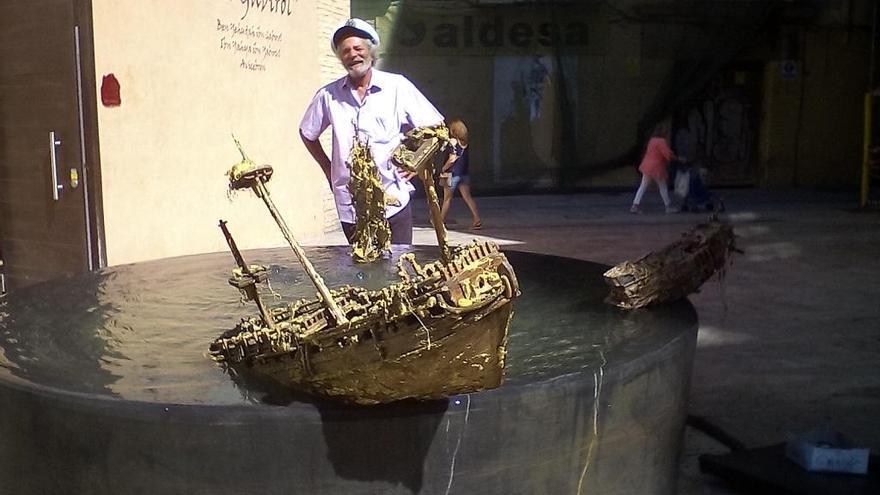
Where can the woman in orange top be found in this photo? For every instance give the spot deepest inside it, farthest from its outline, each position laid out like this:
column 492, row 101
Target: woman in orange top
column 655, row 167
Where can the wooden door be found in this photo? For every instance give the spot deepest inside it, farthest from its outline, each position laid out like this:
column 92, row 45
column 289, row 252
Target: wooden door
column 44, row 212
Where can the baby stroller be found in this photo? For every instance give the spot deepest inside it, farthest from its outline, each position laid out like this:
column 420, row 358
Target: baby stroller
column 690, row 187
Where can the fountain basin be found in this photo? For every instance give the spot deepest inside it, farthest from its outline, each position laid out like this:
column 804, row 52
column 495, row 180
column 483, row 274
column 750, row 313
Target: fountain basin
column 106, row 389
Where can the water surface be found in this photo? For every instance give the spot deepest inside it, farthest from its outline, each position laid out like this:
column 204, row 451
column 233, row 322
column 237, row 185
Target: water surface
column 141, row 331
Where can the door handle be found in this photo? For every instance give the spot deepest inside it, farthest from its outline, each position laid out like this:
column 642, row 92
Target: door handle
column 54, row 145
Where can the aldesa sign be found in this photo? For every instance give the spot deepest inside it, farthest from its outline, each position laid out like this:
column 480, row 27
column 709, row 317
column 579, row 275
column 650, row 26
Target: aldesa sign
column 513, row 29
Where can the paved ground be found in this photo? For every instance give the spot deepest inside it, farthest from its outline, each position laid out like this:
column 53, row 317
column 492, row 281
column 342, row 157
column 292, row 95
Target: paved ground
column 788, row 340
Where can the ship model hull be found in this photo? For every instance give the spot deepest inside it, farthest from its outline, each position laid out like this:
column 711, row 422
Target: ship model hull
column 673, row 272
column 467, row 356
column 437, row 333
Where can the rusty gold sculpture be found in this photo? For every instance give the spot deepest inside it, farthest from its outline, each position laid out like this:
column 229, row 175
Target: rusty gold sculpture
column 372, row 235
column 675, row 271
column 441, row 330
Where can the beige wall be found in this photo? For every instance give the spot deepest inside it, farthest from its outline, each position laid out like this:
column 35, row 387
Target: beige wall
column 185, row 88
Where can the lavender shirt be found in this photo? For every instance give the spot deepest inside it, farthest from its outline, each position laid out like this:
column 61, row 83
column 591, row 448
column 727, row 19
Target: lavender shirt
column 392, row 106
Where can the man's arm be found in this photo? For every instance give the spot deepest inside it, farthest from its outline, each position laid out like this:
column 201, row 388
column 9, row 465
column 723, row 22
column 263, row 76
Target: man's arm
column 318, row 153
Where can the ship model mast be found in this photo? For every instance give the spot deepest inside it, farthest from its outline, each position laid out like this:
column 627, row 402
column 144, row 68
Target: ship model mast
column 248, row 175
column 415, row 155
column 247, row 277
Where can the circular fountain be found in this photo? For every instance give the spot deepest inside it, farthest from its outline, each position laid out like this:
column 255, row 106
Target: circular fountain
column 107, row 388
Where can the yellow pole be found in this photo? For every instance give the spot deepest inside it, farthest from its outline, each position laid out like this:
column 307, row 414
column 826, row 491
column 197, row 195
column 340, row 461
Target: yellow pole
column 866, row 153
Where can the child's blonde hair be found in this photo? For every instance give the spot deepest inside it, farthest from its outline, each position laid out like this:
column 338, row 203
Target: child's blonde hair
column 459, row 131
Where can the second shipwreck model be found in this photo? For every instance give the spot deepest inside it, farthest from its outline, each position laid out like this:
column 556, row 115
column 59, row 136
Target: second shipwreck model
column 439, row 331
column 674, row 271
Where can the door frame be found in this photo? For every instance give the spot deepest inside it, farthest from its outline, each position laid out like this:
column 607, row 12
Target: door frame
column 87, row 79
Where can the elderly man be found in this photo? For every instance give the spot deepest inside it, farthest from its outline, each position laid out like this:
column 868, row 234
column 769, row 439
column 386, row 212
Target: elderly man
column 375, row 106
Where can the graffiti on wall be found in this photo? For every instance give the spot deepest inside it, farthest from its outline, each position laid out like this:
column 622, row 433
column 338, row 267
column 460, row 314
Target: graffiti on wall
column 536, row 80
column 717, row 132
column 525, row 139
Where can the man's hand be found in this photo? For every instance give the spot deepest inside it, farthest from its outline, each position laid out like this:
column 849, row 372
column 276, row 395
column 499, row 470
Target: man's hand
column 405, row 175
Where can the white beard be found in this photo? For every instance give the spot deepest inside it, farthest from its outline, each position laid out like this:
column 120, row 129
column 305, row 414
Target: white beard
column 358, row 71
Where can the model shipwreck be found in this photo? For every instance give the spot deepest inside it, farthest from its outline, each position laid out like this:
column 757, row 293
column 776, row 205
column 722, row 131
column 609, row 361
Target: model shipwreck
column 441, row 330
column 674, row 271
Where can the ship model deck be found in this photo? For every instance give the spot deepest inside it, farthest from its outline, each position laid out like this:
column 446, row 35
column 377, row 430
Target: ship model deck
column 440, row 330
column 673, row 272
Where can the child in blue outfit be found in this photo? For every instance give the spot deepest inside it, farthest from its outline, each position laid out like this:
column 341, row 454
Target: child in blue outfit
column 458, row 162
